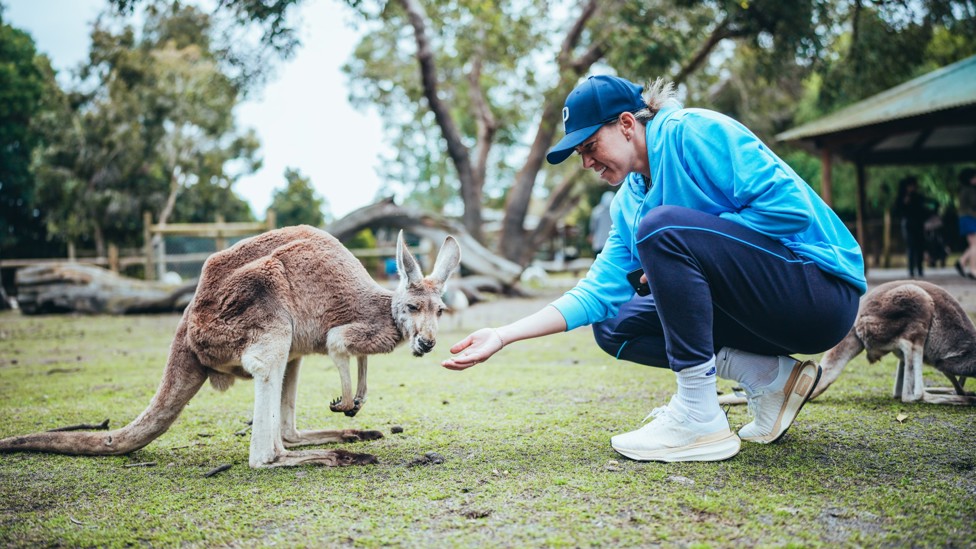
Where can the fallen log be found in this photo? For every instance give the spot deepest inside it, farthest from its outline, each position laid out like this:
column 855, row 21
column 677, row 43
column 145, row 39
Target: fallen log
column 475, row 258
column 88, row 289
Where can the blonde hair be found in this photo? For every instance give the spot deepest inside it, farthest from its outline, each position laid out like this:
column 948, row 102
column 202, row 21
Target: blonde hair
column 657, row 94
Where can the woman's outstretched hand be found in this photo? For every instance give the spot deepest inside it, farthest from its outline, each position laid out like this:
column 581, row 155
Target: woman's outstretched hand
column 477, row 347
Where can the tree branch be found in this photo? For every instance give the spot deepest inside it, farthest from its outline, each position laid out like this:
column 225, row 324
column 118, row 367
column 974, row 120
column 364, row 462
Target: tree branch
column 82, row 427
column 575, row 32
column 470, row 193
column 719, row 33
column 487, row 125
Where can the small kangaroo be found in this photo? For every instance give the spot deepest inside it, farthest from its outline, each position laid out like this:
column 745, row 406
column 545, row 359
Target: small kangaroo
column 260, row 306
column 919, row 322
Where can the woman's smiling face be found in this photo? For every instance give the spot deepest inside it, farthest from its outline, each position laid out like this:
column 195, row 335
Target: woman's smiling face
column 612, row 152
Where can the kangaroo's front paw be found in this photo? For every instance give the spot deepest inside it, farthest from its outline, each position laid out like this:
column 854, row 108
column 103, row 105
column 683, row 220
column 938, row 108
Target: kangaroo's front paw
column 341, row 405
column 357, row 405
column 350, row 409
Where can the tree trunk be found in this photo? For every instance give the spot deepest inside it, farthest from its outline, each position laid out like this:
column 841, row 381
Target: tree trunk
column 471, row 182
column 514, row 243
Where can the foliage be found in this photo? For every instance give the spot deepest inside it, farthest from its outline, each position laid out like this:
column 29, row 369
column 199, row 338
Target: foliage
column 298, row 203
column 28, row 94
column 884, row 44
column 203, row 203
column 152, row 117
column 249, row 59
column 365, row 240
column 523, row 443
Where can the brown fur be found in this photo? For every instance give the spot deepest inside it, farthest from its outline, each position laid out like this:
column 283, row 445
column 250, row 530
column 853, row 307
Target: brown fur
column 260, row 306
column 920, row 323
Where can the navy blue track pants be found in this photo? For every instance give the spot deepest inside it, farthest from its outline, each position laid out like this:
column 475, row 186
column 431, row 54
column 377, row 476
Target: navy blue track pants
column 715, row 283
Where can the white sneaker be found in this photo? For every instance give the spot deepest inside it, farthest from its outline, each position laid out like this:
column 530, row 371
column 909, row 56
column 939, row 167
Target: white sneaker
column 671, row 437
column 776, row 406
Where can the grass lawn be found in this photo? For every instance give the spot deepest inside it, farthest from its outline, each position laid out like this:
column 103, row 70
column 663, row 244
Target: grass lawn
column 512, row 453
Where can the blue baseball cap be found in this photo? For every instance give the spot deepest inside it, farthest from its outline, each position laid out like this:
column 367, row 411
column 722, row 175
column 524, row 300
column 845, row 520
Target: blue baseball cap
column 592, row 104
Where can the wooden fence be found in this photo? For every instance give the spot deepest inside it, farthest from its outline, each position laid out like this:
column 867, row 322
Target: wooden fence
column 153, row 257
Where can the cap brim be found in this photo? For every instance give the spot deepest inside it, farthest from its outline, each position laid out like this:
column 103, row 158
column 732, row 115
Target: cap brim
column 569, row 142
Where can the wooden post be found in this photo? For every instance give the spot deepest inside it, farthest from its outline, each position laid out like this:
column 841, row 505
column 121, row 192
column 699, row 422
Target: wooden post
column 886, row 238
column 72, row 254
column 826, row 177
column 161, row 257
column 113, row 257
column 150, row 270
column 861, row 208
column 271, row 218
column 221, row 239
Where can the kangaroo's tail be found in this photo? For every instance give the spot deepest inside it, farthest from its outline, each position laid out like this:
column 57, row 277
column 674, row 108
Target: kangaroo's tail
column 183, row 377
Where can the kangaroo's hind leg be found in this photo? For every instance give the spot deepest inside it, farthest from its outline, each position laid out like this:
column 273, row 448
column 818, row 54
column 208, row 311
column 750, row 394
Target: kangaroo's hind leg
column 909, row 376
column 266, row 361
column 291, row 436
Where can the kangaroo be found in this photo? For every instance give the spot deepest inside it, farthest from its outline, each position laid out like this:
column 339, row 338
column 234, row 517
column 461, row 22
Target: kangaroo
column 260, row 306
column 919, row 322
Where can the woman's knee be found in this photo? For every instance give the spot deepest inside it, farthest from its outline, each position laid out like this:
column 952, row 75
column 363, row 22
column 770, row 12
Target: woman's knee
column 607, row 337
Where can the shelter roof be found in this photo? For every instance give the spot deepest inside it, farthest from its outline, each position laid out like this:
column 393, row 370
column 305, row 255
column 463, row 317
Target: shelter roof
column 931, row 118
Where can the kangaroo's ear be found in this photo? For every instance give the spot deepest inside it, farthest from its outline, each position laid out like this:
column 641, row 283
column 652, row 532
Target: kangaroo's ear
column 448, row 259
column 407, row 266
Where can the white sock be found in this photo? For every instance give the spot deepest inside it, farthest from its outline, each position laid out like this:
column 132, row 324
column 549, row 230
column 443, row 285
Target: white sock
column 752, row 371
column 696, row 392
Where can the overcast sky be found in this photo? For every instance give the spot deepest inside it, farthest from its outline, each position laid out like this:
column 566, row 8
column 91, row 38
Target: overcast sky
column 303, row 117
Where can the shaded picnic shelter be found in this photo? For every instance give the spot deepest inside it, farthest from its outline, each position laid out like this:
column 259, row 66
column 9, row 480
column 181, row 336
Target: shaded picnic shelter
column 928, row 120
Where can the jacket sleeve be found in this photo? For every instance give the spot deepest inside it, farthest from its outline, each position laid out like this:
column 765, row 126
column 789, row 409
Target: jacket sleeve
column 600, row 293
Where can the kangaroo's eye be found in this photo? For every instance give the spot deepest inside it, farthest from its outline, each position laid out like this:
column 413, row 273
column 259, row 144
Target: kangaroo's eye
column 440, row 311
column 412, row 308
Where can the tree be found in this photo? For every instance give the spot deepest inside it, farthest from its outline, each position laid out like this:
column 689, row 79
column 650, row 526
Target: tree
column 298, row 203
column 248, row 60
column 157, row 120
column 481, row 84
column 28, row 96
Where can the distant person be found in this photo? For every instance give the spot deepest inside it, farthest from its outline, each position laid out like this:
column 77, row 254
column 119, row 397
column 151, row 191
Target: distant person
column 600, row 222
column 935, row 242
column 967, row 222
column 914, row 209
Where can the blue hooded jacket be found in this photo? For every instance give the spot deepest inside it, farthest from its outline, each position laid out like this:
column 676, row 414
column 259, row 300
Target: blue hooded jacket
column 707, row 161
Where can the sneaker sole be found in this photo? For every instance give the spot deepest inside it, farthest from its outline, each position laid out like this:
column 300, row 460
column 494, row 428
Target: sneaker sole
column 709, row 450
column 799, row 387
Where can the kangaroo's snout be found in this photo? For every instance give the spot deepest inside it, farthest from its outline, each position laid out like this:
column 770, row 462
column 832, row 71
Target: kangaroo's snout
column 422, row 346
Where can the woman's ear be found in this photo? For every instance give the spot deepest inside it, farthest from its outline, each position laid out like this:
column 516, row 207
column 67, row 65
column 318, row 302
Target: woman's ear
column 628, row 124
